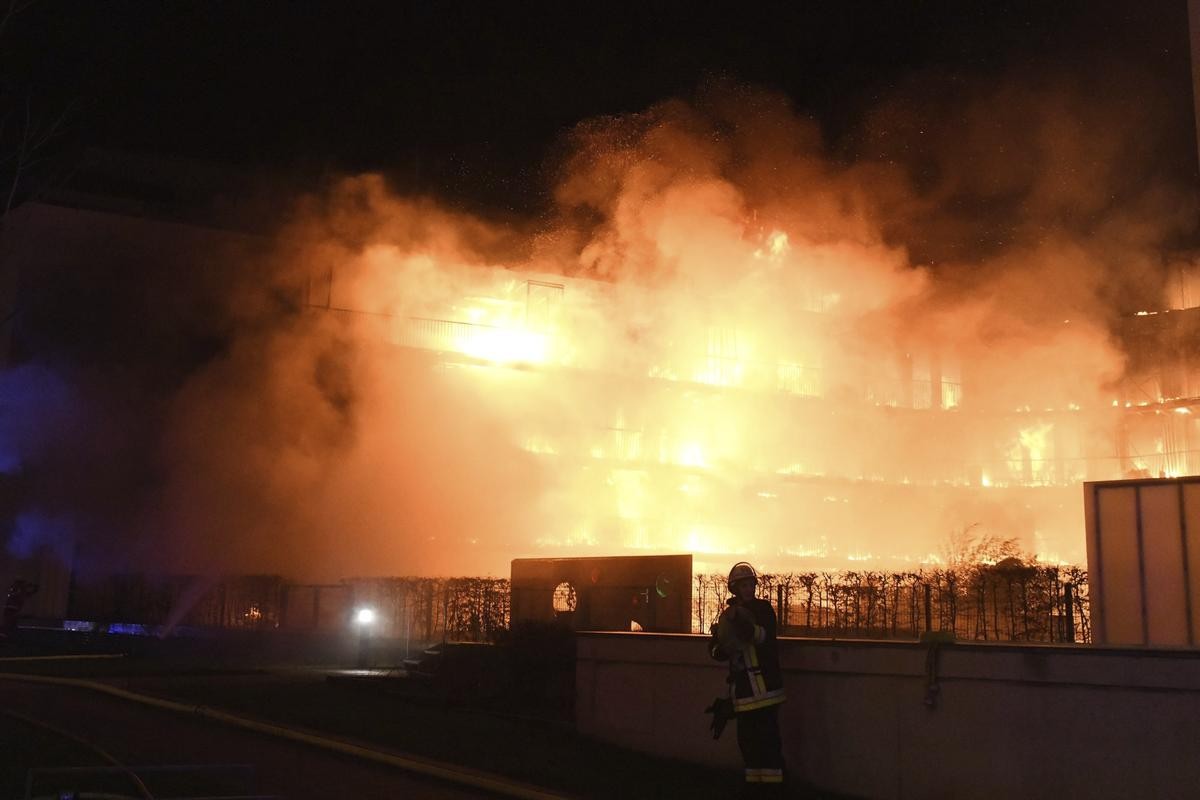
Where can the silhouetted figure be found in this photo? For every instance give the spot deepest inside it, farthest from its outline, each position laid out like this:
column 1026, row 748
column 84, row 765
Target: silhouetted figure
column 20, row 591
column 745, row 637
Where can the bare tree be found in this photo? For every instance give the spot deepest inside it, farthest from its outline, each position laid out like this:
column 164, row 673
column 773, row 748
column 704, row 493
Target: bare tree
column 28, row 149
column 14, row 7
column 26, row 133
column 970, row 547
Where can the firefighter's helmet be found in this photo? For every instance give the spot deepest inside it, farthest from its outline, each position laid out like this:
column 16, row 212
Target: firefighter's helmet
column 740, row 572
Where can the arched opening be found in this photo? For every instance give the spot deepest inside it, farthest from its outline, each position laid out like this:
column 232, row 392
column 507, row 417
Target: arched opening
column 564, row 598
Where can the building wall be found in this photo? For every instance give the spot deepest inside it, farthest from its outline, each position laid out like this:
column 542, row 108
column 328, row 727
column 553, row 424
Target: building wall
column 1009, row 721
column 615, row 593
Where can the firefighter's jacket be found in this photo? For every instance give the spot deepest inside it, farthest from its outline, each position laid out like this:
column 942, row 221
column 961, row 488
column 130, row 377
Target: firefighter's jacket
column 754, row 675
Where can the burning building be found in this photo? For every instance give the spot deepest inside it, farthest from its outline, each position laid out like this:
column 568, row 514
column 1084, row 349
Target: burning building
column 709, row 431
column 721, row 341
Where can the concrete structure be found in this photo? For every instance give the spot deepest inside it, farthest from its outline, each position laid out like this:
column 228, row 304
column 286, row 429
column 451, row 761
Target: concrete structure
column 1143, row 539
column 1006, row 721
column 653, row 593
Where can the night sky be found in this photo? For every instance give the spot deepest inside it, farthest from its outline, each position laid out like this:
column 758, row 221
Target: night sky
column 468, row 100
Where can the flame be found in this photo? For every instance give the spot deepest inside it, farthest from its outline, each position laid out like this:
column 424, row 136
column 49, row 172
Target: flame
column 708, row 404
column 717, row 340
column 1034, row 440
column 699, row 388
column 775, row 247
column 691, row 454
column 503, row 346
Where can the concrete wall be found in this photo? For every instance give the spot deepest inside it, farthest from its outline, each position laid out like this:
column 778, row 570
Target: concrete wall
column 1009, row 721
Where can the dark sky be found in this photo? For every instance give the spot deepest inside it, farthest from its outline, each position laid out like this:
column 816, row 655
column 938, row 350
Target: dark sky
column 475, row 94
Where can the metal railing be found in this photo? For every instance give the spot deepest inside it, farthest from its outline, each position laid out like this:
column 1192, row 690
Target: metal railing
column 425, row 609
column 1002, row 602
column 1011, row 603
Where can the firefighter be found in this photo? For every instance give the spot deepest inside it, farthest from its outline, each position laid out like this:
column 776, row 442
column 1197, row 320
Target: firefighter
column 20, row 591
column 745, row 637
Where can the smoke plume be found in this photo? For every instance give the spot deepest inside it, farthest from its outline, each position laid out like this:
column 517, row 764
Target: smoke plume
column 709, row 343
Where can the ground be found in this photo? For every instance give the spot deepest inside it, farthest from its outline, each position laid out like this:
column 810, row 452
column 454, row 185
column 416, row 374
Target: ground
column 539, row 748
column 237, row 762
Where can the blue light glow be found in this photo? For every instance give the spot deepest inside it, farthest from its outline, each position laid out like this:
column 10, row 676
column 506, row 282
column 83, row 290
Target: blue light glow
column 34, row 404
column 33, row 530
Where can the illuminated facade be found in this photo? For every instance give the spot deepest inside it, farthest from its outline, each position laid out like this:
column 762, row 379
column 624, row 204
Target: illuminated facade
column 693, row 425
column 697, row 432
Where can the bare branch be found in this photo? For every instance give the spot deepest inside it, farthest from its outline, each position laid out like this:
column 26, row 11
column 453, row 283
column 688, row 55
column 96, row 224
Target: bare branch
column 15, row 7
column 3, row 127
column 42, row 137
column 34, row 138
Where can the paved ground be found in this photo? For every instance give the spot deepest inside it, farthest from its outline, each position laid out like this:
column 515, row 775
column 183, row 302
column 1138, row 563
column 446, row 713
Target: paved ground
column 534, row 745
column 527, row 749
column 137, row 735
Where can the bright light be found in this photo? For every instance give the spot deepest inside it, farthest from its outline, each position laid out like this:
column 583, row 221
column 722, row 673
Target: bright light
column 505, row 346
column 691, row 454
column 364, row 616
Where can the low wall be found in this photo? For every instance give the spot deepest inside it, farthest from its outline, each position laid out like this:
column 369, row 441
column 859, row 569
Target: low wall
column 1009, row 721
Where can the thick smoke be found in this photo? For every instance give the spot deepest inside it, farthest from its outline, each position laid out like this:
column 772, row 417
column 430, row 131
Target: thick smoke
column 314, row 446
column 982, row 236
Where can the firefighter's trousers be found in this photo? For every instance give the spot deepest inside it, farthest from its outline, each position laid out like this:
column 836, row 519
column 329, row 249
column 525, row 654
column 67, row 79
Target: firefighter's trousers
column 762, row 750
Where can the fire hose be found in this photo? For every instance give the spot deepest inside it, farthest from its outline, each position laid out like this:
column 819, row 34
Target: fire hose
column 434, row 769
column 142, row 790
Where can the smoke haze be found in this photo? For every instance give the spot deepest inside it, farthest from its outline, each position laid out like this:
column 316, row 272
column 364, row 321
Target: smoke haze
column 719, row 369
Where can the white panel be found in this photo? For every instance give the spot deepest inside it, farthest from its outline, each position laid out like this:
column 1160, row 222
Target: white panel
column 1096, row 596
column 1117, row 522
column 1191, row 506
column 1162, row 549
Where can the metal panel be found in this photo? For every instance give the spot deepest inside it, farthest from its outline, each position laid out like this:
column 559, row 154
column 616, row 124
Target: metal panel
column 1143, row 540
column 1191, row 538
column 1095, row 565
column 1121, row 584
column 1164, row 587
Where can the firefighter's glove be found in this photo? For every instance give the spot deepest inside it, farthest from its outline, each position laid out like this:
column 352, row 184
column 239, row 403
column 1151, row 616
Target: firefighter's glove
column 722, row 711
